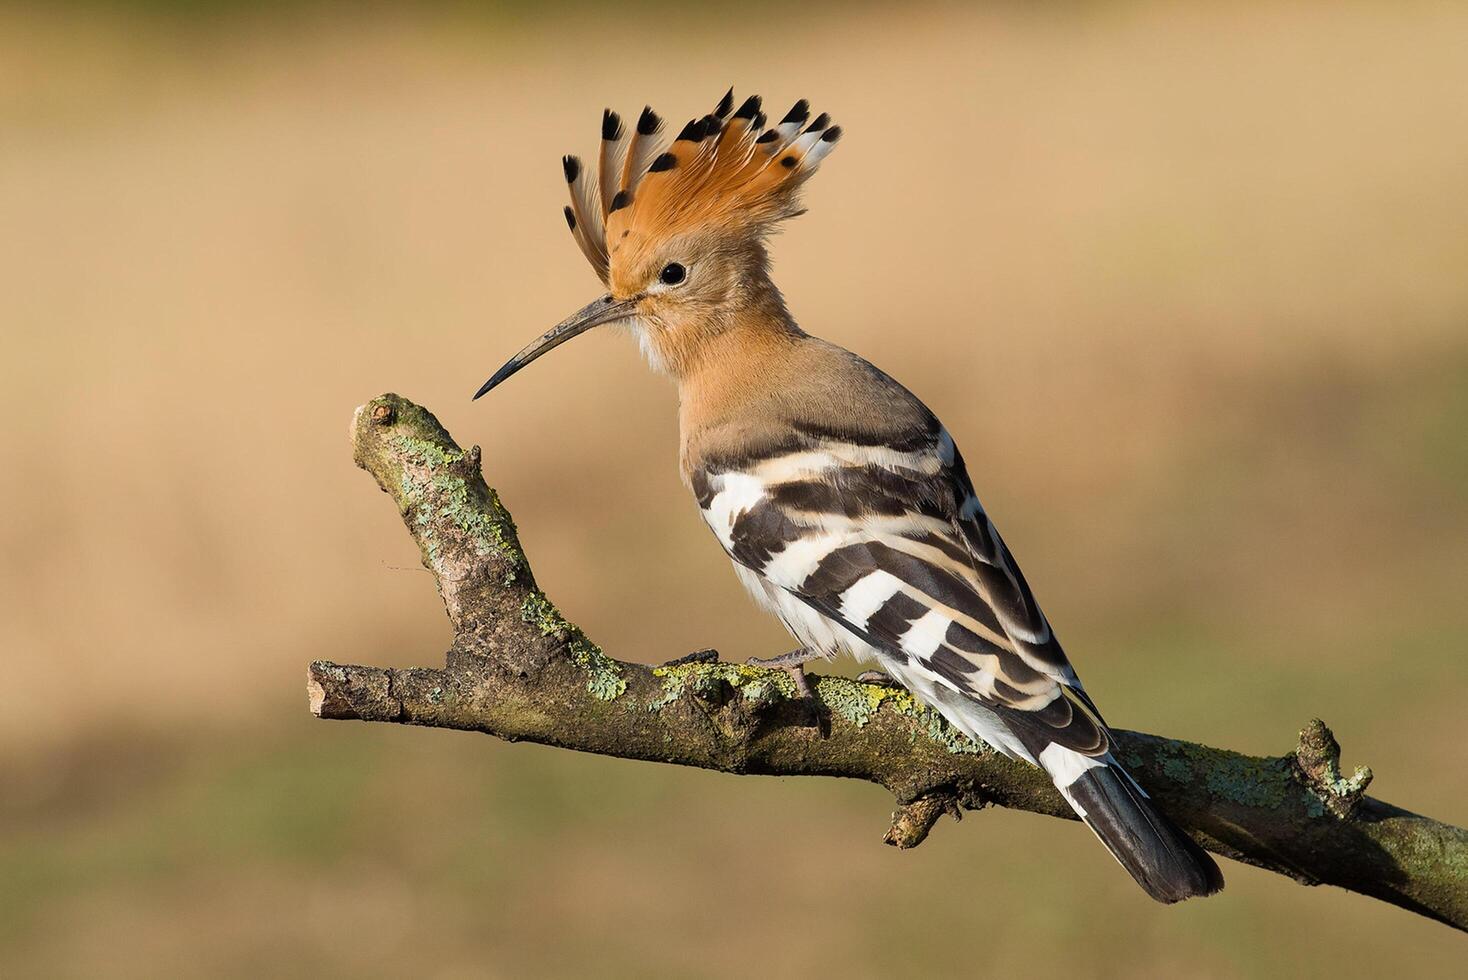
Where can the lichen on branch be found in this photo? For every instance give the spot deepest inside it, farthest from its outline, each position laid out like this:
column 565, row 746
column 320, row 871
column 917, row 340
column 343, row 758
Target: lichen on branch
column 519, row 670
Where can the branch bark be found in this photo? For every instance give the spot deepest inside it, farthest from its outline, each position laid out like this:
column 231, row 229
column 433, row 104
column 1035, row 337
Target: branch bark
column 519, row 670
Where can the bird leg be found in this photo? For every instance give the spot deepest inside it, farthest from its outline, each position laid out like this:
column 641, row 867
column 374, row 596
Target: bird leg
column 793, row 663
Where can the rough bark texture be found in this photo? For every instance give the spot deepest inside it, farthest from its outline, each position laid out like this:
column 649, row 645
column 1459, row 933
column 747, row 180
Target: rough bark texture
column 518, row 670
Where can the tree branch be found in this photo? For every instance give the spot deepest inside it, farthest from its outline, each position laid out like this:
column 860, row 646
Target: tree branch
column 518, row 670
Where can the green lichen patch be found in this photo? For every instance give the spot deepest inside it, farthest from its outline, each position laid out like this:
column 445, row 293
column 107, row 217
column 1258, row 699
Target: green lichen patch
column 603, row 674
column 759, row 684
column 1227, row 776
column 437, row 494
column 1172, row 758
column 935, row 726
column 853, row 701
column 1176, row 769
column 858, row 703
column 1240, row 779
column 1350, row 787
column 426, row 453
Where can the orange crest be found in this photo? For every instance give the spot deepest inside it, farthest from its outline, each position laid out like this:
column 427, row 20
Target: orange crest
column 724, row 171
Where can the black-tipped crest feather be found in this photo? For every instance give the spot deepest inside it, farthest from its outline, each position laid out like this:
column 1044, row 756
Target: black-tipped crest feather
column 641, row 149
column 722, row 167
column 725, row 104
column 798, row 113
column 611, row 125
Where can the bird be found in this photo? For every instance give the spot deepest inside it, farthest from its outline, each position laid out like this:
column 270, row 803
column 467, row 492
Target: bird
column 843, row 503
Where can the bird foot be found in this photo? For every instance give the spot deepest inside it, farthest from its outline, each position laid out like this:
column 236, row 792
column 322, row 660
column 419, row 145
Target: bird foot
column 876, row 677
column 793, row 663
column 794, row 658
column 696, row 657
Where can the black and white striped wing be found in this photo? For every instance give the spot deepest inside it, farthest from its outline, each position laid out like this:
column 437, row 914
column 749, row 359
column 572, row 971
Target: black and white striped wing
column 891, row 544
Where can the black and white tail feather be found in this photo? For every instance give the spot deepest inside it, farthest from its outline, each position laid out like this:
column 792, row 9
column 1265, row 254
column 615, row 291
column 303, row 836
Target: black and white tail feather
column 878, row 547
column 1167, row 863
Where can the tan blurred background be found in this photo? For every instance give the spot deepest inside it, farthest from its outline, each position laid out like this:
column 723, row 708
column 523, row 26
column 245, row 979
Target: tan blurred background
column 1189, row 281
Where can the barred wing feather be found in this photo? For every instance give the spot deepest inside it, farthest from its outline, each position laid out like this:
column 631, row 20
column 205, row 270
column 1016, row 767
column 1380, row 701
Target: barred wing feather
column 892, row 544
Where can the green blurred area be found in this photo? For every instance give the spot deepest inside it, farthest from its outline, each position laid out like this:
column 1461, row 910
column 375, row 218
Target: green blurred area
column 1186, row 283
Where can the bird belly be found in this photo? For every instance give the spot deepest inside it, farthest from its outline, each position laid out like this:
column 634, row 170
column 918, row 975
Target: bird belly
column 963, row 712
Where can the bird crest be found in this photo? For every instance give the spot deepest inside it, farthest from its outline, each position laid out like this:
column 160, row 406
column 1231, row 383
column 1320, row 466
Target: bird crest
column 724, row 171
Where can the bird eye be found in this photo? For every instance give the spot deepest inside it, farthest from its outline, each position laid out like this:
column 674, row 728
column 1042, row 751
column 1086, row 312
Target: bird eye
column 673, row 273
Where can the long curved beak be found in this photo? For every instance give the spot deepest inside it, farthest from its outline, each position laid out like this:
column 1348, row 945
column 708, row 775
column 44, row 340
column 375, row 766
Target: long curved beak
column 593, row 314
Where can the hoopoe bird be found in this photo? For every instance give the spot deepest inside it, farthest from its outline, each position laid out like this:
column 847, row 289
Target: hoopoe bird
column 842, row 501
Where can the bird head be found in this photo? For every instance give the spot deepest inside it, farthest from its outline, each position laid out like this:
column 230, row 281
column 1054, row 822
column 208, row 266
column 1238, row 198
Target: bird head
column 677, row 232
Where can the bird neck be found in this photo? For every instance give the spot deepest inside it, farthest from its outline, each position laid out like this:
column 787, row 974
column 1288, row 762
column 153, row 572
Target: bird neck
column 724, row 388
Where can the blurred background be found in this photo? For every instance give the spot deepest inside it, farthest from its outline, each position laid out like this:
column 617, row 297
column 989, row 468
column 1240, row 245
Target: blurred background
column 1190, row 280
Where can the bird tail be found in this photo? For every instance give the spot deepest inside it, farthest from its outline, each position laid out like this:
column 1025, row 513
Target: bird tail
column 1166, row 862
